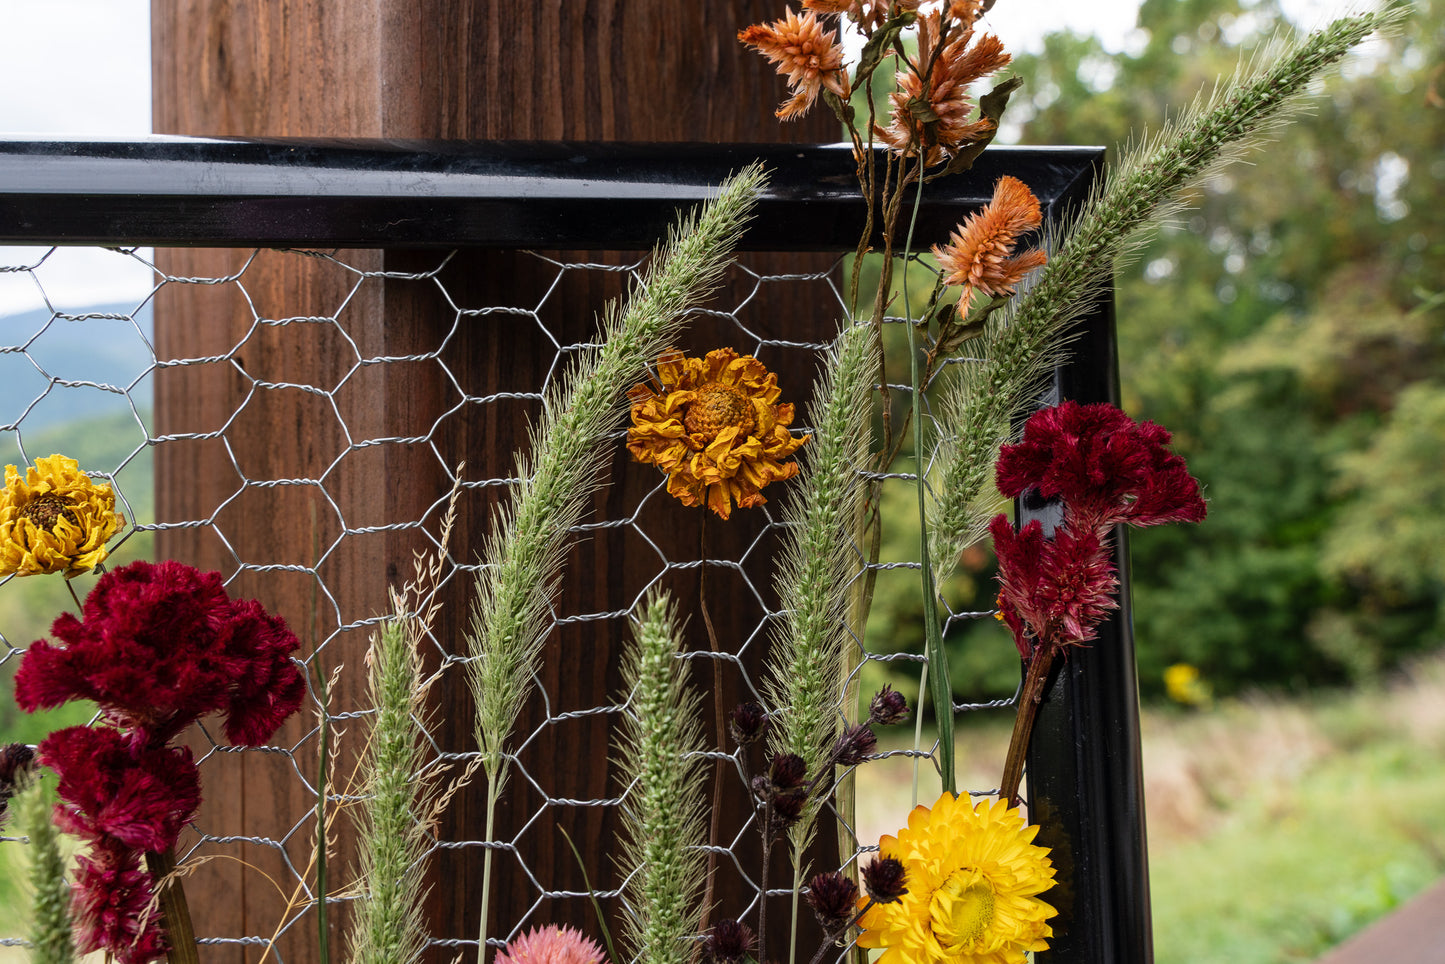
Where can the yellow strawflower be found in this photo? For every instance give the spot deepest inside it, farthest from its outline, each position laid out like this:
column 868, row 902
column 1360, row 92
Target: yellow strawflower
column 54, row 519
column 715, row 427
column 973, row 878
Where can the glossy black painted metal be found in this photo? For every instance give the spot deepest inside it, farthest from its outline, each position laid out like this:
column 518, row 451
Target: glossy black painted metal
column 608, row 196
column 1085, row 771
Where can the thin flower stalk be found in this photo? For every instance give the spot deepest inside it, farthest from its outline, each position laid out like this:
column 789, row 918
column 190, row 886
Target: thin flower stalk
column 50, row 936
column 807, row 671
column 388, row 925
column 1029, row 336
column 526, row 547
column 660, row 750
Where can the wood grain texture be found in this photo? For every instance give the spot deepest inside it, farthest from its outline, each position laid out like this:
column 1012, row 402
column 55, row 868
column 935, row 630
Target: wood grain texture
column 585, row 69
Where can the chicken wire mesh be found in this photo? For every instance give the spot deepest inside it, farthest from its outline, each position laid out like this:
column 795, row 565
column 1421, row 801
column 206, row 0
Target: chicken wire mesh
column 80, row 379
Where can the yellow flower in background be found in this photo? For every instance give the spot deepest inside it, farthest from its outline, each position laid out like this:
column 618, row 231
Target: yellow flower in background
column 973, row 878
column 54, row 519
column 1184, row 685
column 714, row 426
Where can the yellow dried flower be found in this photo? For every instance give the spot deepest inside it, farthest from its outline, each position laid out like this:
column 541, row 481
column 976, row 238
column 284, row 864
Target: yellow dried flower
column 54, row 519
column 973, row 879
column 714, row 426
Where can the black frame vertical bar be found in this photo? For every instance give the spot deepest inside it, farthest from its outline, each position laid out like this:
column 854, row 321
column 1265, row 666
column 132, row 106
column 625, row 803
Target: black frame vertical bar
column 1085, row 768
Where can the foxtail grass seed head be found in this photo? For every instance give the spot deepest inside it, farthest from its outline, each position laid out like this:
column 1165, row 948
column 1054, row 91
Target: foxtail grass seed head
column 508, row 621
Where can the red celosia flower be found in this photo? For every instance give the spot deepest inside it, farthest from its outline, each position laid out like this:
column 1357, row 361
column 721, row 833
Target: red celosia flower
column 111, row 907
column 161, row 646
column 1106, row 469
column 111, row 787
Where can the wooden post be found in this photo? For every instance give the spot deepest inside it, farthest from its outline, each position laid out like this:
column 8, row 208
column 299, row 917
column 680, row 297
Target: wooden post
column 591, row 69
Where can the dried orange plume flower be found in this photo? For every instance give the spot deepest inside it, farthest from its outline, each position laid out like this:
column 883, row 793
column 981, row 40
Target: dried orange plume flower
column 973, row 875
column 954, row 68
column 809, row 56
column 979, row 255
column 714, row 426
column 54, row 519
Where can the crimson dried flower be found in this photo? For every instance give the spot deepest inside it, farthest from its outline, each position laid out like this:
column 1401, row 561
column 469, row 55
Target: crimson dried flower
column 110, row 787
column 160, row 646
column 112, row 907
column 1106, row 469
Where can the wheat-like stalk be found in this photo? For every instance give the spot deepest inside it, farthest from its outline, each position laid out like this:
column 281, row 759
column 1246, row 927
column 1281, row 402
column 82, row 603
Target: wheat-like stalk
column 399, row 794
column 1026, row 339
column 524, row 552
column 664, row 824
column 50, row 937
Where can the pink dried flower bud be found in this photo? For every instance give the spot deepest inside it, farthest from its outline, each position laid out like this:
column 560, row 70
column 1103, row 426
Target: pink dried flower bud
column 552, row 945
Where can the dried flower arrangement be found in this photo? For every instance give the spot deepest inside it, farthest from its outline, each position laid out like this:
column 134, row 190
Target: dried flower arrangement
column 159, row 646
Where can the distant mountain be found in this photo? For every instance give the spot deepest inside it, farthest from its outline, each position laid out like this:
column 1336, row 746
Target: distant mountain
column 37, row 351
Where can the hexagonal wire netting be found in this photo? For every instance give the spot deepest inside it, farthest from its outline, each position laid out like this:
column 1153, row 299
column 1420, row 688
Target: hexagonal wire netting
column 77, row 378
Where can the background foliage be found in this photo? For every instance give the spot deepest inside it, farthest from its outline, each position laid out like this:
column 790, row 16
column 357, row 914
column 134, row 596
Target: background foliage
column 1289, row 329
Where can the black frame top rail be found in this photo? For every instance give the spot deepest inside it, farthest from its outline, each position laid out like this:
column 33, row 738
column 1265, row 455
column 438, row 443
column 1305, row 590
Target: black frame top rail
column 442, row 194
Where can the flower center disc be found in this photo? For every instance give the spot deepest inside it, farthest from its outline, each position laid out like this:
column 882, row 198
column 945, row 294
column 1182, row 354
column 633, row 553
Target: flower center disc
column 45, row 511
column 963, row 909
column 718, row 407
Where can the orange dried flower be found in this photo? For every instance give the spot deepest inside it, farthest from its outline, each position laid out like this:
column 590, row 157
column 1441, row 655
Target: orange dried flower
column 831, row 6
column 979, row 255
column 955, row 67
column 714, row 426
column 809, row 56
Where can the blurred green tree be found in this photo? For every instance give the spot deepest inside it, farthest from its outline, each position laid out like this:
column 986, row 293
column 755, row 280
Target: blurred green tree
column 1289, row 328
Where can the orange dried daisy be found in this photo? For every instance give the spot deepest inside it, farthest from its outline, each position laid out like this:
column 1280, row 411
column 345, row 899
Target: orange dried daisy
column 979, row 255
column 955, row 68
column 809, row 56
column 714, row 426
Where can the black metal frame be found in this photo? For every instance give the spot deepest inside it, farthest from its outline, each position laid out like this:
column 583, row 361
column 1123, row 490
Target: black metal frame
column 1084, row 770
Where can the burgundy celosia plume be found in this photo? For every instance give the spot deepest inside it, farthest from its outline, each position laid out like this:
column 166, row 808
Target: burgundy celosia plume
column 162, row 645
column 1106, row 469
column 139, row 795
column 157, row 648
